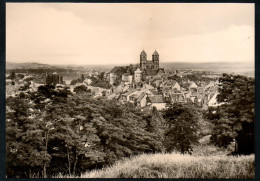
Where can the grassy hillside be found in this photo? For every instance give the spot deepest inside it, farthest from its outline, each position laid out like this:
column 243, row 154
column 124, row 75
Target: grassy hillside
column 178, row 166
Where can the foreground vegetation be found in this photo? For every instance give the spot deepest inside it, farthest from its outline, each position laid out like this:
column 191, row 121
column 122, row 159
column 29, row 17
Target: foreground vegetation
column 178, row 166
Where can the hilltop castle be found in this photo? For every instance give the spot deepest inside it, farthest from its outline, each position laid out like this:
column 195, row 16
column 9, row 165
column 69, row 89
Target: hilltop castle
column 144, row 70
column 149, row 67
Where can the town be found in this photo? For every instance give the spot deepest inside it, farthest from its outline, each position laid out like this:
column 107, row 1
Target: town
column 129, row 90
column 145, row 85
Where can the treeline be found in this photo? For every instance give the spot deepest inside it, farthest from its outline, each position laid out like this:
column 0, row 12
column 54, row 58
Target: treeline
column 41, row 70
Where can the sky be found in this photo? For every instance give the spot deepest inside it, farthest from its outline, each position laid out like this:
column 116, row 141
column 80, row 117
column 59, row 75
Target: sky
column 116, row 33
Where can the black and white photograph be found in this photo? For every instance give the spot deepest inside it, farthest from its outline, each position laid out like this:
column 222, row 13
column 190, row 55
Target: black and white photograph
column 130, row 90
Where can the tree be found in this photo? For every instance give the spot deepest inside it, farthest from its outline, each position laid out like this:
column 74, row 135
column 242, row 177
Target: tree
column 81, row 89
column 20, row 76
column 12, row 76
column 73, row 82
column 181, row 133
column 49, row 102
column 45, row 135
column 24, row 139
column 234, row 119
column 101, row 76
column 155, row 123
column 82, row 78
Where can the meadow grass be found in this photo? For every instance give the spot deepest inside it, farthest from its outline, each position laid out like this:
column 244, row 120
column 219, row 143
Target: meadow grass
column 178, row 166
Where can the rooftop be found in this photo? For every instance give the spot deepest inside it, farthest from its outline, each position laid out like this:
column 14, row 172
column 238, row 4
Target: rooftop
column 156, row 99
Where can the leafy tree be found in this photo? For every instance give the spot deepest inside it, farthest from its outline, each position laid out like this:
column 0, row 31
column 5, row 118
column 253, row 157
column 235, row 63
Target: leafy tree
column 175, row 77
column 100, row 82
column 79, row 80
column 73, row 82
column 82, row 78
column 234, row 119
column 12, row 76
column 20, row 76
column 48, row 101
column 155, row 123
column 81, row 89
column 101, row 75
column 182, row 123
column 24, row 139
column 95, row 133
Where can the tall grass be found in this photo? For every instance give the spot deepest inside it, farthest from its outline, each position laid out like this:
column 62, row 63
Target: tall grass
column 178, row 166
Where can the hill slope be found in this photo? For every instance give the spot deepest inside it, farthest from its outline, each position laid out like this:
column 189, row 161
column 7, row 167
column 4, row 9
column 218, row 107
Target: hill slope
column 178, row 166
column 28, row 65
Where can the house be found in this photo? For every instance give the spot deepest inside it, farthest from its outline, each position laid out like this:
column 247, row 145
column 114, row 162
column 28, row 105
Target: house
column 88, row 81
column 126, row 96
column 111, row 96
column 134, row 95
column 98, row 91
column 126, row 88
column 119, row 88
column 193, row 99
column 138, row 75
column 200, row 90
column 177, row 97
column 142, row 100
column 108, row 91
column 213, row 101
column 147, row 86
column 133, row 98
column 127, row 78
column 187, row 94
column 112, row 78
column 156, row 101
column 170, row 85
column 34, row 86
column 211, row 84
column 199, row 100
column 193, row 85
column 176, row 86
column 157, row 82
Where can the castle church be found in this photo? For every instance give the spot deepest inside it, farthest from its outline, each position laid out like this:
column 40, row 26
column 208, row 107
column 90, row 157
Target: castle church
column 149, row 67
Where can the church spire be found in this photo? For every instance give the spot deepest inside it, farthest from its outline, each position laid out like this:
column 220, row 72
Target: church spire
column 155, row 53
column 143, row 53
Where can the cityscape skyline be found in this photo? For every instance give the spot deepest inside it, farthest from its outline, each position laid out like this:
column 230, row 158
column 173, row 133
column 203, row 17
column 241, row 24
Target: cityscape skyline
column 67, row 33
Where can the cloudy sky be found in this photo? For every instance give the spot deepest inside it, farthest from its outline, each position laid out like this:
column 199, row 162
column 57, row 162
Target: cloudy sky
column 102, row 33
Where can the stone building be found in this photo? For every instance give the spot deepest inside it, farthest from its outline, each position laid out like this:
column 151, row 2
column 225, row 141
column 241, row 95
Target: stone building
column 53, row 79
column 149, row 67
column 138, row 75
column 112, row 78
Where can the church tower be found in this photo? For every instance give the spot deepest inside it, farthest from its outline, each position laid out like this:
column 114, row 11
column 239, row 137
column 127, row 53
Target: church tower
column 156, row 60
column 143, row 60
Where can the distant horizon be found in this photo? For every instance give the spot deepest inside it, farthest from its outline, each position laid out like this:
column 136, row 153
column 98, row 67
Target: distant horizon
column 164, row 62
